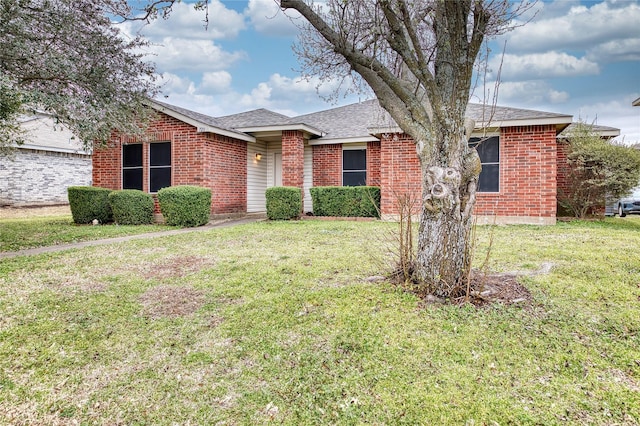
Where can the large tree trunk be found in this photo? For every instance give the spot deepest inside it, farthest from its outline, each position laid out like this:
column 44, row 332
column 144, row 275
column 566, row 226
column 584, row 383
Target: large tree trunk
column 443, row 258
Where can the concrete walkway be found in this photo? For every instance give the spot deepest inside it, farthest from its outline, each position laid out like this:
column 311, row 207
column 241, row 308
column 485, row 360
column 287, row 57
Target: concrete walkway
column 62, row 247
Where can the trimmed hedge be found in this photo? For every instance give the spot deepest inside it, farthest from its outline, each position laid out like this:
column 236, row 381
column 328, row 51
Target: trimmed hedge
column 185, row 205
column 131, row 207
column 349, row 201
column 283, row 202
column 88, row 203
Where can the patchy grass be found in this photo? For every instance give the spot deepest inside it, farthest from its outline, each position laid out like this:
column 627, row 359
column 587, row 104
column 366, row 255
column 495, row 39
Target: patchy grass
column 276, row 322
column 30, row 232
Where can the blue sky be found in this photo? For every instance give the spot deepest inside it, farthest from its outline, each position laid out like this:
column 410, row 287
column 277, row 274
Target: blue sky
column 573, row 57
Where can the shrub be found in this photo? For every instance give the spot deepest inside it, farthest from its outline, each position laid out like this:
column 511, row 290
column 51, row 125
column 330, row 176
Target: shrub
column 283, row 202
column 350, row 201
column 185, row 205
column 88, row 203
column 131, row 207
column 596, row 171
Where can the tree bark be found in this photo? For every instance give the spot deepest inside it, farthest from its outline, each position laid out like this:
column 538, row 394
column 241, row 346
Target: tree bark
column 443, row 258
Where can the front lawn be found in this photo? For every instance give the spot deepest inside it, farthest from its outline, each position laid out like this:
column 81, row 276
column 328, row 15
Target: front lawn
column 24, row 233
column 277, row 322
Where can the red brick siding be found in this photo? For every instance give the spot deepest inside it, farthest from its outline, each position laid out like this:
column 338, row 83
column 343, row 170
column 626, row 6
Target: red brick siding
column 400, row 171
column 527, row 174
column 327, row 165
column 373, row 163
column 225, row 172
column 562, row 166
column 292, row 158
column 211, row 161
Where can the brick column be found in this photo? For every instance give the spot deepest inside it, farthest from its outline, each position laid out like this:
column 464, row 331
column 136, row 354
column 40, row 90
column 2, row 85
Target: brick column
column 292, row 158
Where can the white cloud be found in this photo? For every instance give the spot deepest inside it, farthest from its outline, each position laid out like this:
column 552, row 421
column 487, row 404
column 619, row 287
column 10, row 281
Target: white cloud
column 170, row 83
column 616, row 51
column 543, row 65
column 529, row 94
column 267, row 18
column 183, row 54
column 579, row 27
column 186, row 22
column 614, row 113
column 216, row 82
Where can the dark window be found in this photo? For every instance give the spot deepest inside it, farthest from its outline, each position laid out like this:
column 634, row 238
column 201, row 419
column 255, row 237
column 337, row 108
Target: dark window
column 132, row 166
column 489, row 152
column 159, row 165
column 354, row 167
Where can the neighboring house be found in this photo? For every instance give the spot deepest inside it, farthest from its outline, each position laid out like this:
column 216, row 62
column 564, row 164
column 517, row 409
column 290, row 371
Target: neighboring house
column 241, row 155
column 636, row 102
column 39, row 171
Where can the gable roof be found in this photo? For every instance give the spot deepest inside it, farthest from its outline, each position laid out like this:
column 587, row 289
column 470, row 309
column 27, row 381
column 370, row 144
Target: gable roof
column 204, row 123
column 359, row 122
column 636, row 102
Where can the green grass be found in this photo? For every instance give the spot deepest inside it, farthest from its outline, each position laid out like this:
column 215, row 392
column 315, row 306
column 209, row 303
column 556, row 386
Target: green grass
column 276, row 323
column 18, row 234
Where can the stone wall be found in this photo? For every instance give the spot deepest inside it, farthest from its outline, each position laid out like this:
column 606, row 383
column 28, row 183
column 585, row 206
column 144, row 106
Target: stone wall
column 32, row 177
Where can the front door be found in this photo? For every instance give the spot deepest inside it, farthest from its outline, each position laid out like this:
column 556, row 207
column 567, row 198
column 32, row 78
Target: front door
column 277, row 169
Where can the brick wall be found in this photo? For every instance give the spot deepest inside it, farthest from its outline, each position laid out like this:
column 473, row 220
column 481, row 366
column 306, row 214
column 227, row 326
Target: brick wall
column 561, row 164
column 327, row 165
column 212, row 161
column 373, row 163
column 32, row 177
column 527, row 174
column 225, row 172
column 400, row 171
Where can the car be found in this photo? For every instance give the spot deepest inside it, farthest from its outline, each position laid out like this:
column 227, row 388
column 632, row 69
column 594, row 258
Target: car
column 626, row 205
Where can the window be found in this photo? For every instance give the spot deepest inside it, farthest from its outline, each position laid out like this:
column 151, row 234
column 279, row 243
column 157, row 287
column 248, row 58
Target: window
column 159, row 165
column 489, row 152
column 354, row 167
column 132, row 166
column 133, row 172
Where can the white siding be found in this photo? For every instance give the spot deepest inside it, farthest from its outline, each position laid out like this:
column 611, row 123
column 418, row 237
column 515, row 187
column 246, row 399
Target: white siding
column 308, row 178
column 256, row 177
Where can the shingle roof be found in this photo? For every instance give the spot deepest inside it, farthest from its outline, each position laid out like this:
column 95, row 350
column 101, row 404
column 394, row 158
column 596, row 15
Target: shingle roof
column 203, row 118
column 357, row 120
column 254, row 118
column 604, row 131
column 347, row 121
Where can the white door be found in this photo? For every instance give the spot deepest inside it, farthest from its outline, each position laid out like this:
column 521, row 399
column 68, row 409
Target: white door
column 277, row 169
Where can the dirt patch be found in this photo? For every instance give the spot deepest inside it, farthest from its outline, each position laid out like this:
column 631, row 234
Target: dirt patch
column 171, row 302
column 486, row 289
column 482, row 289
column 175, row 267
column 36, row 211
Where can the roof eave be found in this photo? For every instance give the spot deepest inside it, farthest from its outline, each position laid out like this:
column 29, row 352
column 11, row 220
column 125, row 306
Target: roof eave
column 305, row 128
column 200, row 126
column 347, row 140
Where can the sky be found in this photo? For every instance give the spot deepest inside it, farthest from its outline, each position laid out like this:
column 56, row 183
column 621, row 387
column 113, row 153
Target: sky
column 570, row 56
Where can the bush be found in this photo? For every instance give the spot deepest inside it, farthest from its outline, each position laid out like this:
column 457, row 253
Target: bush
column 283, row 202
column 185, row 205
column 88, row 203
column 596, row 171
column 131, row 207
column 349, row 201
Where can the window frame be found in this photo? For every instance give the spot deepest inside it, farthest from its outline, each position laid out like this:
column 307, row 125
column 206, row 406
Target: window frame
column 354, row 147
column 140, row 167
column 156, row 167
column 482, row 138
